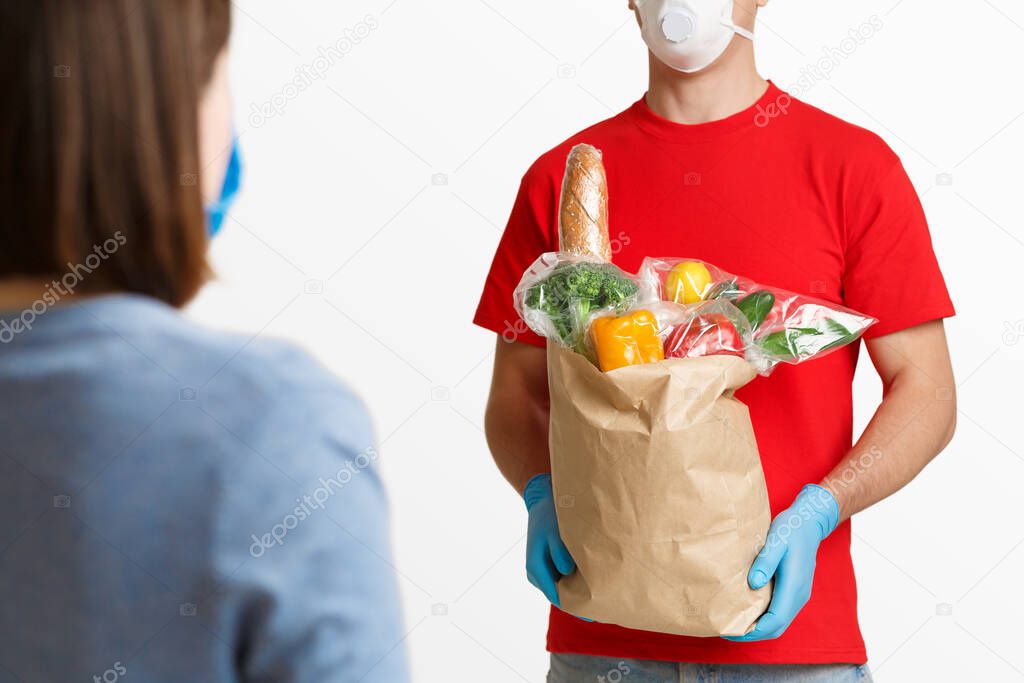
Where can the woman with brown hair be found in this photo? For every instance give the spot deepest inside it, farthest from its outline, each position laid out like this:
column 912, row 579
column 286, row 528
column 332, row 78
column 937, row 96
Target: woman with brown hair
column 178, row 504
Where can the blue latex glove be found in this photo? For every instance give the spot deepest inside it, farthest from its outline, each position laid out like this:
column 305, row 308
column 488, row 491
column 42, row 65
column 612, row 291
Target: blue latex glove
column 788, row 555
column 547, row 558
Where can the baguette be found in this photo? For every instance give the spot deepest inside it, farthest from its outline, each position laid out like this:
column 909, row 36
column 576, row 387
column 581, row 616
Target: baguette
column 583, row 211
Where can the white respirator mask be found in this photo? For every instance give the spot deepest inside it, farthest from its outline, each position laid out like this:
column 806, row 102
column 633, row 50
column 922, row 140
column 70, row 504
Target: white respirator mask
column 688, row 35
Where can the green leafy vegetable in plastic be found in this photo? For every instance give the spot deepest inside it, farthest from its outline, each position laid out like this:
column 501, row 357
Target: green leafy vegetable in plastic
column 756, row 306
column 787, row 344
column 839, row 334
column 574, row 291
column 798, row 342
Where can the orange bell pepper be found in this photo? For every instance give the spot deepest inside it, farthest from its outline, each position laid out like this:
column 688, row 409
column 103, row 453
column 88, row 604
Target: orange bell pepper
column 631, row 339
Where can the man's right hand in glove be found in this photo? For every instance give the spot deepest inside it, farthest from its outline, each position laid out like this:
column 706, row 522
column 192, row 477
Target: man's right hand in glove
column 547, row 558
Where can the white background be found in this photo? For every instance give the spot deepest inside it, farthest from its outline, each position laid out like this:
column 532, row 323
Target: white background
column 341, row 190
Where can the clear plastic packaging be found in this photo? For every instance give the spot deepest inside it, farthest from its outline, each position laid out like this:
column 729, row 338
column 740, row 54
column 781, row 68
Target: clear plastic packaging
column 785, row 327
column 700, row 310
column 583, row 207
column 560, row 294
column 709, row 328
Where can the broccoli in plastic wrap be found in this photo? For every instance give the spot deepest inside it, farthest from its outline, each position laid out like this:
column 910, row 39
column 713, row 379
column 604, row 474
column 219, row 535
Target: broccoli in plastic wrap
column 564, row 299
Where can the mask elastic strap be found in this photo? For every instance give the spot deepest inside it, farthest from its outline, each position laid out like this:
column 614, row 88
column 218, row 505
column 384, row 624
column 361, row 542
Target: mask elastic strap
column 727, row 21
column 740, row 31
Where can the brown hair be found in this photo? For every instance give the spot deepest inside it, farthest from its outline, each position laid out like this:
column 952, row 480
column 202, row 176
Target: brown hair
column 99, row 140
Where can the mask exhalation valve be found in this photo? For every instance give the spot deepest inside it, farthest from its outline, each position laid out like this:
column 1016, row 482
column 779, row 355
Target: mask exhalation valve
column 678, row 25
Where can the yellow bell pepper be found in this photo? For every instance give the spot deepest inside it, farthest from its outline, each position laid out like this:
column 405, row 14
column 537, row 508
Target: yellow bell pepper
column 631, row 339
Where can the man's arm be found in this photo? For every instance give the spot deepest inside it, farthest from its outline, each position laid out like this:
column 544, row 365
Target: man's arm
column 914, row 422
column 516, row 421
column 517, row 432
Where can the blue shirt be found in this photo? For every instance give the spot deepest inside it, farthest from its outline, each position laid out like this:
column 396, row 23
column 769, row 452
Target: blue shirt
column 182, row 505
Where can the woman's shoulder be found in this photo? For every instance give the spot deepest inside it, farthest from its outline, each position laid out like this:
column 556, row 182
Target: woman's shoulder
column 285, row 379
column 252, row 383
column 142, row 331
column 274, row 380
column 264, row 395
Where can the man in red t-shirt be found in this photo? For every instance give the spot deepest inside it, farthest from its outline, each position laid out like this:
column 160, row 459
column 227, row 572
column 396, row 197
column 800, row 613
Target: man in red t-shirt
column 716, row 163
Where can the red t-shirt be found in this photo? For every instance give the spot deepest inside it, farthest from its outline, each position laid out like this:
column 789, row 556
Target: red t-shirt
column 799, row 200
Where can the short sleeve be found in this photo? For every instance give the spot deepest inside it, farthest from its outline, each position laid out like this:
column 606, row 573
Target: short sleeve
column 529, row 233
column 891, row 272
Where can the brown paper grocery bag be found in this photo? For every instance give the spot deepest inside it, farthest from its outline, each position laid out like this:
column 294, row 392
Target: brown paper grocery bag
column 659, row 491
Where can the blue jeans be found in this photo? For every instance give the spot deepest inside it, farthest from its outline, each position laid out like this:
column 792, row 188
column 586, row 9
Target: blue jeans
column 588, row 669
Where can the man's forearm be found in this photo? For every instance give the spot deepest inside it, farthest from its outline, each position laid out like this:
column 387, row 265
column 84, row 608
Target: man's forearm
column 516, row 420
column 914, row 422
column 518, row 438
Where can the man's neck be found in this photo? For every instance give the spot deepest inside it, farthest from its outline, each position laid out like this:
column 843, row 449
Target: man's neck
column 728, row 86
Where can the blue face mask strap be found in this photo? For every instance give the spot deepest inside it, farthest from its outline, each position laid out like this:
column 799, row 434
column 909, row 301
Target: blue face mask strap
column 216, row 212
